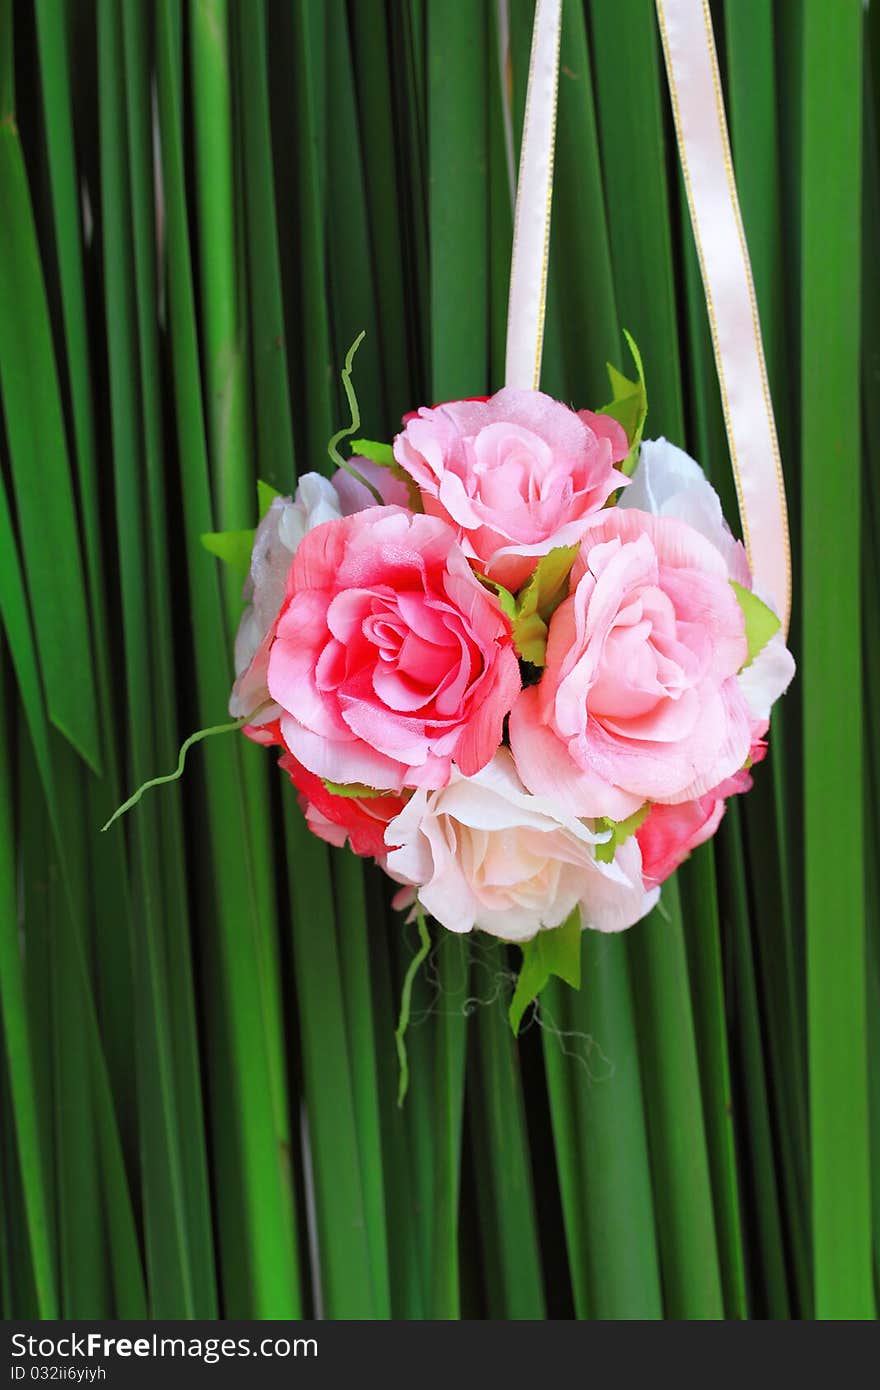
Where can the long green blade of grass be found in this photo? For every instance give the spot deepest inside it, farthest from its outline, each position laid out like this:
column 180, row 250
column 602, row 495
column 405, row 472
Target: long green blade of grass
column 833, row 754
column 354, row 959
column 349, row 1266
column 871, row 584
column 265, row 1159
column 450, row 1043
column 375, row 77
column 502, row 1150
column 169, row 942
column 112, row 914
column 751, row 34
column 53, row 777
column 268, row 349
column 594, row 1076
column 626, row 57
column 166, row 1234
column 19, row 1062
column 758, row 1166
column 220, row 298
column 38, row 454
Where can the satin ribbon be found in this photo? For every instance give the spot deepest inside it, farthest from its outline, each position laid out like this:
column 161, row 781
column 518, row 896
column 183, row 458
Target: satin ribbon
column 704, row 149
column 534, row 194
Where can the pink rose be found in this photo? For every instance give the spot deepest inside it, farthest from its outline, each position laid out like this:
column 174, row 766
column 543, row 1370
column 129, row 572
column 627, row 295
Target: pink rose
column 669, row 833
column 354, row 497
column 516, row 475
column 362, row 821
column 390, row 658
column 668, row 482
column 639, row 699
column 482, row 853
column 277, row 538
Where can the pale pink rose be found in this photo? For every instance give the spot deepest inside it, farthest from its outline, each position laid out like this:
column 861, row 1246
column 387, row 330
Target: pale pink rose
column 668, row 482
column 390, row 660
column 639, row 699
column 277, row 537
column 482, row 853
column 517, row 475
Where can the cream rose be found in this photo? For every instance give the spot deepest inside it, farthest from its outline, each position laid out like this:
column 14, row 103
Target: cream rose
column 485, row 854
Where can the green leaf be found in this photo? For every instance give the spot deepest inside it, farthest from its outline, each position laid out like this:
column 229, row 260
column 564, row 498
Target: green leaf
column 383, row 455
column 538, row 601
column 266, row 495
column 554, row 952
column 530, row 612
column 761, row 622
column 629, row 404
column 232, row 547
column 359, row 790
column 504, row 596
column 620, row 831
column 377, row 453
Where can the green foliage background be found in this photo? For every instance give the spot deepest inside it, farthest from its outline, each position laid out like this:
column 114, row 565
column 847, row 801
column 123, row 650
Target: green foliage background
column 201, row 204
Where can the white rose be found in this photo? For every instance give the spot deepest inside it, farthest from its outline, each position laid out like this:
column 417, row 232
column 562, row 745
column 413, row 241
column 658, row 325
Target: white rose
column 277, row 538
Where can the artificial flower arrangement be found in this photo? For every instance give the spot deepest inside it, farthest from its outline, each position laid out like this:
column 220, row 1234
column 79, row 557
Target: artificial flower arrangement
column 516, row 658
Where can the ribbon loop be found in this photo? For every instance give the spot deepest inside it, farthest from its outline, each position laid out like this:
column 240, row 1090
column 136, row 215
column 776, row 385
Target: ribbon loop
column 534, row 194
column 704, row 150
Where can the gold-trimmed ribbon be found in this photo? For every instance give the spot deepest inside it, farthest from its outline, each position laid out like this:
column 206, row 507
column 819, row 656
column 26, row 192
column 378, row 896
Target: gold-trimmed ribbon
column 534, row 194
column 704, row 150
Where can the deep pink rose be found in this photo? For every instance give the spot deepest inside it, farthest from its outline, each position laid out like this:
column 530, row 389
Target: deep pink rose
column 669, row 833
column 362, row 821
column 516, row 475
column 390, row 660
column 639, row 699
column 277, row 537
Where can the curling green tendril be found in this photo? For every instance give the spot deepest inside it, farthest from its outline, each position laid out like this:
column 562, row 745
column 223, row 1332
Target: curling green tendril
column 178, row 771
column 405, row 1001
column 355, row 425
